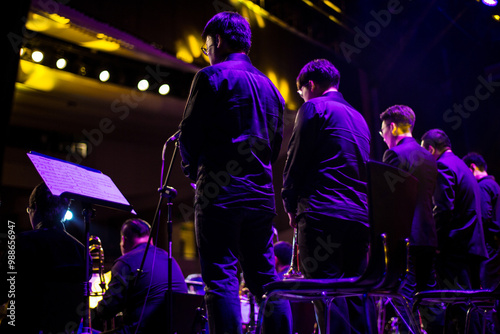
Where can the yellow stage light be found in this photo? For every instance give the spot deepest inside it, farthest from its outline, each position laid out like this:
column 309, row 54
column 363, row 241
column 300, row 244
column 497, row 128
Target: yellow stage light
column 184, row 54
column 194, row 46
column 36, row 76
column 332, row 6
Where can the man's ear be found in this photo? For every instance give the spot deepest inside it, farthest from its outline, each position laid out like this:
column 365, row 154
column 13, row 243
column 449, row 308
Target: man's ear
column 312, row 85
column 473, row 167
column 393, row 128
column 429, row 149
column 217, row 41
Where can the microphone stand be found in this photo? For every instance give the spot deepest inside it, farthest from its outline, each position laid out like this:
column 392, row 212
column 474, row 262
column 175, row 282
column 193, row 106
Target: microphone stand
column 88, row 213
column 169, row 193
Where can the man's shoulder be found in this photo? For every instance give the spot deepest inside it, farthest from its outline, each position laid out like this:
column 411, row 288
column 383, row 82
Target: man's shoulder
column 232, row 71
column 138, row 252
column 489, row 182
column 334, row 105
column 48, row 235
column 236, row 64
column 332, row 99
column 407, row 143
column 27, row 234
column 409, row 147
column 451, row 161
column 450, row 164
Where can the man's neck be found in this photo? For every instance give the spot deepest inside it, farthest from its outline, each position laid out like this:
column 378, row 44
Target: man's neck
column 331, row 89
column 439, row 155
column 479, row 174
column 403, row 136
column 141, row 241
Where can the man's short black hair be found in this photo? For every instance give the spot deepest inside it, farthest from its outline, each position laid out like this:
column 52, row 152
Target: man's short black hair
column 283, row 251
column 399, row 114
column 321, row 72
column 233, row 28
column 436, row 138
column 476, row 159
column 135, row 228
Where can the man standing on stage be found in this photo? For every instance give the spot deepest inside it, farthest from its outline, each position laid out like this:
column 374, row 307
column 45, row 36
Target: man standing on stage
column 457, row 212
column 324, row 189
column 404, row 152
column 490, row 213
column 231, row 132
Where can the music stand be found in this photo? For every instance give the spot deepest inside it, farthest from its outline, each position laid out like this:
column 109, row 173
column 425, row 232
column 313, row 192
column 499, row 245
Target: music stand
column 90, row 186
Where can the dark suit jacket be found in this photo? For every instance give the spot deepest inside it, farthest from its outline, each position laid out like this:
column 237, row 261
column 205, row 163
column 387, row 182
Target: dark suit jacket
column 49, row 284
column 457, row 208
column 408, row 155
column 231, row 132
column 490, row 208
column 325, row 167
column 126, row 294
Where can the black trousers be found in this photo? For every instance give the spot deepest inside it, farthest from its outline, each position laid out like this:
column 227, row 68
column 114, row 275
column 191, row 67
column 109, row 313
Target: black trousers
column 226, row 237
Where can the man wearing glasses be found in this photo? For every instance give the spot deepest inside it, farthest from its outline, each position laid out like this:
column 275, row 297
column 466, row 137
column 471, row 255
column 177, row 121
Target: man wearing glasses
column 324, row 189
column 405, row 152
column 231, row 133
column 49, row 270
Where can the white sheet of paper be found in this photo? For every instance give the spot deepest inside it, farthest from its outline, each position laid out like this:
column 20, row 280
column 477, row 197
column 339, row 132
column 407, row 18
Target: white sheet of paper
column 65, row 177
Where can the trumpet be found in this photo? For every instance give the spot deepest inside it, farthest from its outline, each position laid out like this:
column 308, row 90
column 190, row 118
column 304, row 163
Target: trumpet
column 294, row 271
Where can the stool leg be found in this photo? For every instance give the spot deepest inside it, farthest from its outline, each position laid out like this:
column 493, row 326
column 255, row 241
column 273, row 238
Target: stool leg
column 260, row 317
column 367, row 312
column 467, row 318
column 409, row 322
column 328, row 303
column 381, row 313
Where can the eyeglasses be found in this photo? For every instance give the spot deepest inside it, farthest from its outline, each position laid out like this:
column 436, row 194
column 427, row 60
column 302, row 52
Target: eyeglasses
column 299, row 91
column 381, row 132
column 205, row 49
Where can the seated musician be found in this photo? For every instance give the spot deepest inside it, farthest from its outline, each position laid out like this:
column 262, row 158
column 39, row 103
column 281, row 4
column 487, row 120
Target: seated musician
column 283, row 257
column 140, row 297
column 46, row 288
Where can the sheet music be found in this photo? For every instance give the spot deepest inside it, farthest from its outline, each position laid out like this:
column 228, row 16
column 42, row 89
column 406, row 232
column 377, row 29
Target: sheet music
column 64, row 177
